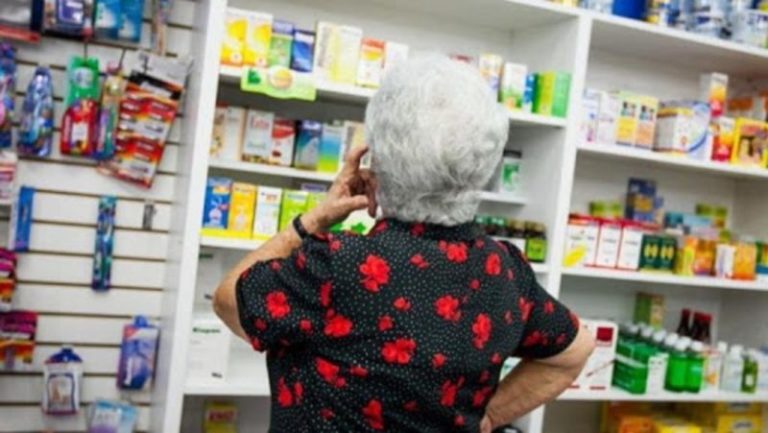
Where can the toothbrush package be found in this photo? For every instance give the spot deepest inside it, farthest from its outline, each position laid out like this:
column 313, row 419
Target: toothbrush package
column 21, row 219
column 137, row 355
column 7, row 93
column 62, row 379
column 105, row 240
column 17, row 340
column 36, row 131
column 105, row 416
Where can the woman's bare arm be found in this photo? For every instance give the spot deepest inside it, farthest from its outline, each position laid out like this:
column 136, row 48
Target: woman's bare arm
column 536, row 381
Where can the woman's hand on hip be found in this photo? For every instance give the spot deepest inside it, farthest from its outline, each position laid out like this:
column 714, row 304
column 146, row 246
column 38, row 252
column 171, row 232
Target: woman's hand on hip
column 353, row 189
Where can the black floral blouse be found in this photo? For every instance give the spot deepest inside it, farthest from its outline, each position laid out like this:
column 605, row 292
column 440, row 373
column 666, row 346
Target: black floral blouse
column 402, row 330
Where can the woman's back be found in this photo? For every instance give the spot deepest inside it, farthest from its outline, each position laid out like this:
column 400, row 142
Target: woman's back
column 401, row 330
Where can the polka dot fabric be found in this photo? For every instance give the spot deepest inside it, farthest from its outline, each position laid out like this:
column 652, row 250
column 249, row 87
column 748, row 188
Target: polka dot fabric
column 403, row 330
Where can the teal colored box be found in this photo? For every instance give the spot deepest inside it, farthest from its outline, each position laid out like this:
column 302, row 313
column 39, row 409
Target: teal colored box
column 216, row 206
column 307, row 151
column 330, row 147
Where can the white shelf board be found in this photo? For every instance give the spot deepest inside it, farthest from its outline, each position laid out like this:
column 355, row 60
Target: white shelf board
column 673, row 161
column 664, row 278
column 615, row 394
column 271, row 170
column 227, row 388
column 229, row 243
column 497, row 197
column 672, row 46
column 347, row 92
column 540, row 268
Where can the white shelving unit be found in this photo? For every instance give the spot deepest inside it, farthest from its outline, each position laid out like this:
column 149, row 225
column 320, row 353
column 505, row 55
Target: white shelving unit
column 600, row 51
column 621, row 395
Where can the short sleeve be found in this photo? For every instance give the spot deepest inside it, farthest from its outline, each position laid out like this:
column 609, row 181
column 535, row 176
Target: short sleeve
column 549, row 327
column 279, row 301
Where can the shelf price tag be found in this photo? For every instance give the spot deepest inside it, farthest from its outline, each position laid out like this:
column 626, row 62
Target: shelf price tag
column 279, row 82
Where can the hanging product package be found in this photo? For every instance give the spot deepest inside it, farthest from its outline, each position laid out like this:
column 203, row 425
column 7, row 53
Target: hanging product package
column 105, row 416
column 8, row 163
column 79, row 126
column 7, row 93
column 62, row 377
column 137, row 355
column 73, row 18
column 21, row 19
column 147, row 112
column 105, row 239
column 17, row 340
column 111, row 96
column 36, row 131
column 21, row 219
column 161, row 13
column 132, row 12
column 7, row 279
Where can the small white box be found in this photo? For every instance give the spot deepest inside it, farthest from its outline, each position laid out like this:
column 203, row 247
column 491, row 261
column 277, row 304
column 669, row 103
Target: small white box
column 326, row 50
column 590, row 111
column 607, row 118
column 630, row 247
column 345, row 69
column 267, row 218
column 257, row 140
column 234, row 124
column 208, row 350
column 581, row 241
column 608, row 244
column 598, row 372
column 394, row 53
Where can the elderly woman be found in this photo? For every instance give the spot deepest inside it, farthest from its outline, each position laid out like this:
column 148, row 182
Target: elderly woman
column 405, row 329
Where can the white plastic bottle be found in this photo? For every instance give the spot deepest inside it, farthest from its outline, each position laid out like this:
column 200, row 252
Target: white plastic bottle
column 733, row 369
column 713, row 366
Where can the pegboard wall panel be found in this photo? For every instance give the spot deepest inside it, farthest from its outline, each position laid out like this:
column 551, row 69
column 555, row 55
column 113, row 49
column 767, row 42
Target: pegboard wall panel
column 54, row 277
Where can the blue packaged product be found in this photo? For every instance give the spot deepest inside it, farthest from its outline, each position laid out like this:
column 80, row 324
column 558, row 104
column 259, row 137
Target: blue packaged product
column 69, row 17
column 109, row 18
column 137, row 354
column 216, row 206
column 105, row 239
column 529, row 93
column 21, row 219
column 7, row 93
column 62, row 375
column 36, row 131
column 302, row 50
column 307, row 150
column 641, row 186
column 111, row 417
column 131, row 12
column 634, row 9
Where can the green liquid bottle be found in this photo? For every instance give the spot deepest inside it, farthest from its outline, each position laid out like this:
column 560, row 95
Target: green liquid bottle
column 677, row 368
column 749, row 378
column 695, row 374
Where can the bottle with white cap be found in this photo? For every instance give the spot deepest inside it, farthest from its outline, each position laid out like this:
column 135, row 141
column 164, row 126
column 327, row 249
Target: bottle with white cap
column 657, row 364
column 713, row 366
column 677, row 367
column 695, row 372
column 733, row 369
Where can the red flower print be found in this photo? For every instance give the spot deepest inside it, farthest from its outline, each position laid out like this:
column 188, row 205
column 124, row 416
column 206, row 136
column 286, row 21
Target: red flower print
column 277, row 305
column 484, row 376
column 260, row 324
column 574, row 319
column 549, row 307
column 526, row 307
column 456, row 252
column 493, row 264
column 256, row 344
column 359, row 371
column 449, row 390
column 373, row 417
column 560, row 339
column 496, row 358
column 447, row 307
column 298, row 392
column 458, row 421
column 535, row 338
column 402, row 304
column 482, row 330
column 301, row 260
column 479, row 243
column 326, row 413
column 305, row 325
column 510, row 274
column 503, row 246
column 385, row 323
column 438, row 360
column 399, row 351
column 337, row 326
column 481, row 395
column 508, row 317
column 411, row 406
column 275, row 265
column 375, row 272
column 380, row 226
column 474, row 284
column 329, row 372
column 334, row 245
column 418, row 229
column 418, row 261
column 284, row 396
column 325, row 294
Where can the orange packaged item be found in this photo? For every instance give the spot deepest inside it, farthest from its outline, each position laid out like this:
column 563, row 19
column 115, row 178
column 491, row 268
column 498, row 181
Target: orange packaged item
column 745, row 261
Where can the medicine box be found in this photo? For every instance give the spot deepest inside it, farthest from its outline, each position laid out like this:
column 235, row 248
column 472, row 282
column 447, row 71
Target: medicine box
column 294, row 204
column 750, row 141
column 217, row 133
column 371, row 66
column 283, row 137
column 590, row 112
column 649, row 309
column 598, row 371
column 648, row 107
column 551, row 96
column 330, row 147
column 216, row 206
column 723, row 129
column 257, row 139
column 209, row 346
column 626, row 126
column 608, row 118
column 326, row 50
column 714, row 88
column 490, row 68
column 233, row 43
column 394, row 54
column 302, row 51
column 345, row 68
column 630, row 246
column 258, row 39
column 608, row 244
column 307, row 150
column 234, row 125
column 241, row 210
column 267, row 218
column 281, row 44
column 512, row 86
column 581, row 241
column 354, row 136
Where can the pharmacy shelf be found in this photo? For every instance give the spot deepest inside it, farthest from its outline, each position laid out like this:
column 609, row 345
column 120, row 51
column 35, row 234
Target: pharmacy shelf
column 673, row 161
column 497, row 197
column 665, row 279
column 229, row 243
column 357, row 94
column 271, row 170
column 672, row 46
column 615, row 394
